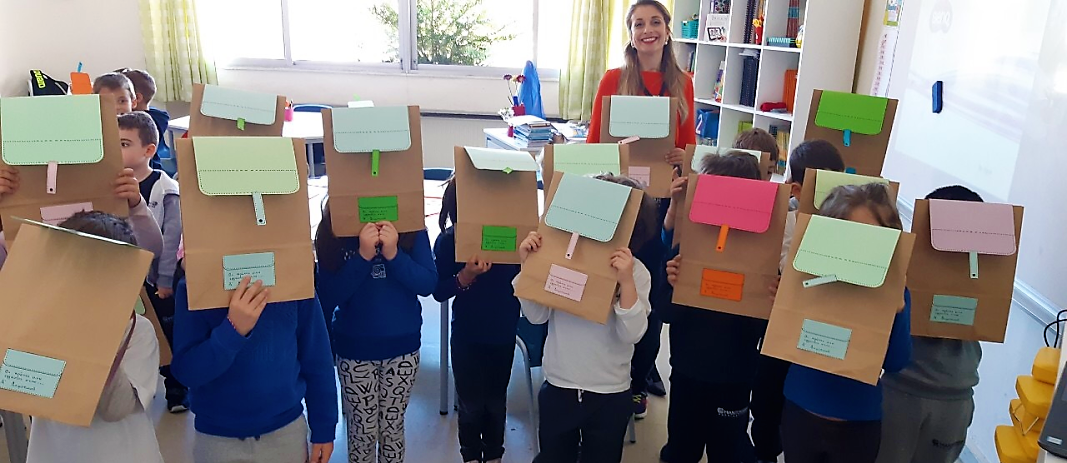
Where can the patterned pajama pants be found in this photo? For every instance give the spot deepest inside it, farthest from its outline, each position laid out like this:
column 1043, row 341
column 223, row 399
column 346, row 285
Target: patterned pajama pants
column 374, row 396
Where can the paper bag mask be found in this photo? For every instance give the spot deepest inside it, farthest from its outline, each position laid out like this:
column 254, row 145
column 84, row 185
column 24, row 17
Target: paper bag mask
column 375, row 155
column 227, row 112
column 747, row 217
column 228, row 234
column 836, row 302
column 496, row 196
column 945, row 301
column 149, row 312
column 67, row 152
column 695, row 154
column 588, row 159
column 586, row 221
column 857, row 125
column 819, row 183
column 57, row 347
column 648, row 124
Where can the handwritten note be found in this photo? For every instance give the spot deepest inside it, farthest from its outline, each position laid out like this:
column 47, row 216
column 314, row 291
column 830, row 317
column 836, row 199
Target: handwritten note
column 378, row 208
column 565, row 282
column 722, row 285
column 640, row 174
column 499, row 238
column 260, row 266
column 31, row 374
column 824, row 339
column 953, row 309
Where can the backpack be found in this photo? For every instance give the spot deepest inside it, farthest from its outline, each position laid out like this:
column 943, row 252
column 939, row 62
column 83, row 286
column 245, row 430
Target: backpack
column 41, row 84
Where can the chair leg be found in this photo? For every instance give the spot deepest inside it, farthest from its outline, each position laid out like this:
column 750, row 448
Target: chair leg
column 633, row 431
column 444, row 358
column 529, row 387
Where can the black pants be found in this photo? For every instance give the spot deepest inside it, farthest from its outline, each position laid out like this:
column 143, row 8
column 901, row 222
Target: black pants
column 707, row 417
column 482, row 373
column 808, row 438
column 767, row 403
column 176, row 391
column 588, row 423
column 645, row 352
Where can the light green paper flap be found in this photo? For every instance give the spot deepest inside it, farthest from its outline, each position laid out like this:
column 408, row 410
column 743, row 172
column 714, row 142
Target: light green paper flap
column 847, row 111
column 827, row 180
column 586, row 158
column 63, row 129
column 702, row 151
column 587, row 206
column 232, row 104
column 853, row 252
column 238, row 166
column 640, row 116
column 501, row 160
column 363, row 130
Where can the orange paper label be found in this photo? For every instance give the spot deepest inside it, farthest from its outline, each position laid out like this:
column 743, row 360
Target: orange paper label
column 722, row 285
column 80, row 84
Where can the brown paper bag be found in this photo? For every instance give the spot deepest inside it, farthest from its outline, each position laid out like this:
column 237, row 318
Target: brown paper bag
column 811, row 184
column 937, row 272
column 202, row 125
column 218, row 226
column 165, row 354
column 866, row 153
column 735, row 280
column 646, row 152
column 591, row 258
column 548, row 164
column 491, row 207
column 78, row 186
column 689, row 163
column 868, row 312
column 400, row 175
column 82, row 324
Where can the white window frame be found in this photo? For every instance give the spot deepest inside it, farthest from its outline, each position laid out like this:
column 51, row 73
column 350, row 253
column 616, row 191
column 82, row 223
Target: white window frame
column 408, row 62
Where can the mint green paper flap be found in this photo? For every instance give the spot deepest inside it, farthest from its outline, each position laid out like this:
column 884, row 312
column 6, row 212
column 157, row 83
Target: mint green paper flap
column 232, row 104
column 847, row 111
column 702, row 151
column 827, row 180
column 824, row 339
column 43, row 129
column 238, row 166
column 363, row 130
column 586, row 158
column 138, row 306
column 30, row 373
column 587, row 206
column 260, row 266
column 640, row 116
column 502, row 160
column 854, row 252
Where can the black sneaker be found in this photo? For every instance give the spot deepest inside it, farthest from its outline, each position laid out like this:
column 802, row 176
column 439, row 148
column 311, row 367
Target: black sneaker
column 640, row 406
column 176, row 405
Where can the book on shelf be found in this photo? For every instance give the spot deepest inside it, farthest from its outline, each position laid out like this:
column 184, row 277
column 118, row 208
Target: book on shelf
column 750, row 16
column 749, row 76
column 792, row 23
column 716, row 92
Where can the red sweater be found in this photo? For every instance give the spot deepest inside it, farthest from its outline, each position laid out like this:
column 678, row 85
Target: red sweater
column 609, row 85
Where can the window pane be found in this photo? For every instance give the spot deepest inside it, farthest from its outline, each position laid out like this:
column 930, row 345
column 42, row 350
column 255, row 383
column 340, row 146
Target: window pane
column 242, row 28
column 475, row 32
column 346, row 31
column 553, row 33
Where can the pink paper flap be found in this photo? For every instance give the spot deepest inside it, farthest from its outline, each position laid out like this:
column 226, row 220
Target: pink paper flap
column 741, row 203
column 965, row 226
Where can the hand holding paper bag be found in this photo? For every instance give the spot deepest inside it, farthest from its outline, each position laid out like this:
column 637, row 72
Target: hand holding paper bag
column 247, row 304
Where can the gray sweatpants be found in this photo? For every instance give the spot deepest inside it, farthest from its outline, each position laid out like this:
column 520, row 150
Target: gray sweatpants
column 919, row 430
column 286, row 445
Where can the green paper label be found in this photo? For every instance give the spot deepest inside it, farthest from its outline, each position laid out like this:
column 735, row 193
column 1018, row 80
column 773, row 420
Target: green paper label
column 953, row 309
column 30, row 373
column 499, row 238
column 824, row 339
column 378, row 208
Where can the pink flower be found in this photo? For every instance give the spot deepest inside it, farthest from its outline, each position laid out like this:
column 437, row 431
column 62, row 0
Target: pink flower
column 520, row 78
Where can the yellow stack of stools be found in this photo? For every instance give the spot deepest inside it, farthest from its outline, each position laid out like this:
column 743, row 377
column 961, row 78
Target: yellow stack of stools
column 1018, row 443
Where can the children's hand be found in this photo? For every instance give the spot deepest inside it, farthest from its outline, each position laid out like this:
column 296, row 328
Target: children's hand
column 369, row 239
column 9, row 181
column 389, row 237
column 622, row 260
column 773, row 288
column 532, row 243
column 320, row 453
column 678, row 187
column 475, row 266
column 164, row 293
column 247, row 304
column 675, row 157
column 126, row 187
column 674, row 268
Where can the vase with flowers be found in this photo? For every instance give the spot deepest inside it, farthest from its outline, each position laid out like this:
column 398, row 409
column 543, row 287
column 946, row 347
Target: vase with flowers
column 514, row 107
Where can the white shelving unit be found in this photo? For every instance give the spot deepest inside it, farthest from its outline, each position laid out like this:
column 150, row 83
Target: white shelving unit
column 827, row 60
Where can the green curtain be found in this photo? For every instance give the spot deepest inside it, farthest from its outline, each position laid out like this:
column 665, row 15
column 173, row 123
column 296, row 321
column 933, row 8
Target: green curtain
column 174, row 50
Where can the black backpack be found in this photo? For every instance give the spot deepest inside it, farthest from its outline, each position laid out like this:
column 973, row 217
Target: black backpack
column 41, row 84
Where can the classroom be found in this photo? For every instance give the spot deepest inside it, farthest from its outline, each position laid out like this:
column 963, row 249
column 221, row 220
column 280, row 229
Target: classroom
column 739, row 231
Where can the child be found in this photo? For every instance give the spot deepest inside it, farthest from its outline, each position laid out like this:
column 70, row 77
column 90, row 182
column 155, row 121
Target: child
column 121, row 429
column 119, row 87
column 713, row 360
column 928, row 405
column 375, row 280
column 138, row 137
column 758, row 140
column 485, row 313
column 248, row 367
column 833, row 419
column 144, row 88
column 585, row 400
column 767, row 398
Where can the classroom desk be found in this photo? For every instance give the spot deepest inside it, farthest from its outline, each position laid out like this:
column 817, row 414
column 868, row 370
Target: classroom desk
column 304, row 125
column 498, row 138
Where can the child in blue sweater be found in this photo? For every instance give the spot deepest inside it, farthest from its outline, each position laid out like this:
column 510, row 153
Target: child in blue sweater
column 375, row 280
column 485, row 313
column 248, row 368
column 833, row 419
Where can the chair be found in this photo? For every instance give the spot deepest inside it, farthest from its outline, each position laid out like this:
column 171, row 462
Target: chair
column 437, row 173
column 319, row 156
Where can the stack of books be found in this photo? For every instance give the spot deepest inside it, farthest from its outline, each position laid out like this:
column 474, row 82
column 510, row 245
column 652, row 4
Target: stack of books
column 749, row 74
column 531, row 132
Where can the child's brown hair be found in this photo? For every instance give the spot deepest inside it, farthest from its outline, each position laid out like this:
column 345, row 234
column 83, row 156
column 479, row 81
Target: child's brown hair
column 759, row 140
column 140, row 121
column 732, row 164
column 114, row 81
column 143, row 83
column 874, row 196
column 332, row 251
